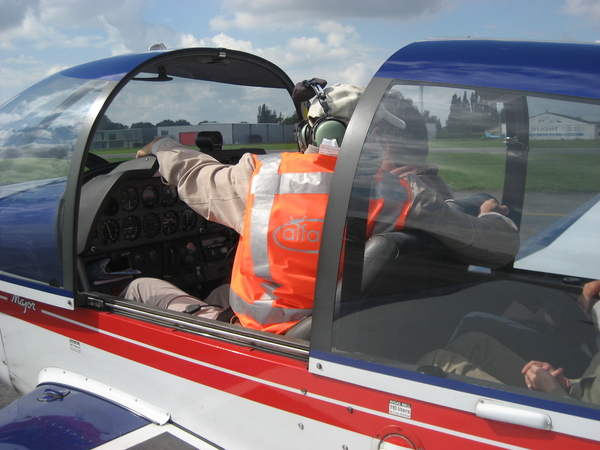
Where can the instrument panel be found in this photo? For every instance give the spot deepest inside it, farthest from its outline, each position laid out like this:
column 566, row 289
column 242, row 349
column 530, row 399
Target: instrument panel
column 143, row 211
column 132, row 224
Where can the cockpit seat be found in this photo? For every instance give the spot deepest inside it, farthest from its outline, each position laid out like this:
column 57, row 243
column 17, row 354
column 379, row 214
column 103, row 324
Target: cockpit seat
column 301, row 330
column 407, row 260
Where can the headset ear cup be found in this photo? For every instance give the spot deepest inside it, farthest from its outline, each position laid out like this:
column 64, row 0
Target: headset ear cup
column 303, row 135
column 328, row 128
column 306, row 134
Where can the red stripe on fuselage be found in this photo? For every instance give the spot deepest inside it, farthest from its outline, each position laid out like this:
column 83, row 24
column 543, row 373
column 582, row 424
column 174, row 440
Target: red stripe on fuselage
column 271, row 379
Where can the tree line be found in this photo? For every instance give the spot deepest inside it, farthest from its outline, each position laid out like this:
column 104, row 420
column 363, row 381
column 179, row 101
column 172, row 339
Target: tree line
column 264, row 115
column 471, row 115
column 468, row 115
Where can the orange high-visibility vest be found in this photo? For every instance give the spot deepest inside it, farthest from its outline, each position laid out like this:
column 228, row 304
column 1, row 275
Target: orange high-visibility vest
column 275, row 267
column 389, row 203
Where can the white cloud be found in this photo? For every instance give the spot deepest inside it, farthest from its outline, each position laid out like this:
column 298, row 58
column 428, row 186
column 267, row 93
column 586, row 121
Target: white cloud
column 114, row 24
column 314, row 41
column 43, row 35
column 278, row 14
column 589, row 9
column 337, row 34
column 222, row 40
column 219, row 40
column 14, row 12
column 356, row 74
column 332, row 52
column 20, row 72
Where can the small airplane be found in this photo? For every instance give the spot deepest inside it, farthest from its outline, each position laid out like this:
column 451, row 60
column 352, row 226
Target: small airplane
column 381, row 362
column 489, row 135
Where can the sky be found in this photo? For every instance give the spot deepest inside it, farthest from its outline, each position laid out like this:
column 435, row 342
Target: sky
column 342, row 41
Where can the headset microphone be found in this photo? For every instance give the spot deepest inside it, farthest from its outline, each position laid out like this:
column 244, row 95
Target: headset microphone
column 384, row 114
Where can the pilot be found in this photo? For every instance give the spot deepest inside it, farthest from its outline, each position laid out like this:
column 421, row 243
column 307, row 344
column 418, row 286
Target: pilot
column 398, row 142
column 277, row 204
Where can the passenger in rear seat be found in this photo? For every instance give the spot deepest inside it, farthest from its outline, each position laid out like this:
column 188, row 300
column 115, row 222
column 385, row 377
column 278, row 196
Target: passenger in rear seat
column 480, row 356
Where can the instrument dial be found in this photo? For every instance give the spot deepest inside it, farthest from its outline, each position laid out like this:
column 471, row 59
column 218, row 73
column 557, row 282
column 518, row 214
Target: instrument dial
column 170, row 222
column 150, row 196
column 132, row 228
column 188, row 220
column 151, row 225
column 130, row 198
column 168, row 195
column 109, row 231
column 112, row 207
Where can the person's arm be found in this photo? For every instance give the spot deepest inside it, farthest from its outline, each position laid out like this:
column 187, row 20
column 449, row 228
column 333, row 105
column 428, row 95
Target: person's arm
column 589, row 297
column 214, row 190
column 490, row 240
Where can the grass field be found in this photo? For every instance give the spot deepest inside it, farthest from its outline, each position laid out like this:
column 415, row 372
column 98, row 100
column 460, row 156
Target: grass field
column 498, row 143
column 28, row 169
column 548, row 172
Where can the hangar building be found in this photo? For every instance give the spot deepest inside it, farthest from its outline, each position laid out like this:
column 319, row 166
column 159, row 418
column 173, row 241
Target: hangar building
column 550, row 126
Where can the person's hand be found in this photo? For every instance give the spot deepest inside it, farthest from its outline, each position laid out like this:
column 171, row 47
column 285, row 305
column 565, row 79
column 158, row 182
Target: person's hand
column 587, row 300
column 147, row 149
column 492, row 205
column 540, row 376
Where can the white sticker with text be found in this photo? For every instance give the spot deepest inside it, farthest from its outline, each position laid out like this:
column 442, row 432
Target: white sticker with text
column 400, row 409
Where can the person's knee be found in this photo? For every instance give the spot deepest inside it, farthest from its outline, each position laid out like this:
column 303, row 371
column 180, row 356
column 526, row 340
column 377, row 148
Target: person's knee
column 130, row 289
column 135, row 290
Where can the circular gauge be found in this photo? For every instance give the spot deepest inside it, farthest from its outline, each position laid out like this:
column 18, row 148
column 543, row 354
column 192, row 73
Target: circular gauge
column 150, row 196
column 139, row 258
column 132, row 228
column 130, row 199
column 109, row 231
column 188, row 220
column 170, row 222
column 112, row 207
column 168, row 195
column 151, row 225
column 153, row 256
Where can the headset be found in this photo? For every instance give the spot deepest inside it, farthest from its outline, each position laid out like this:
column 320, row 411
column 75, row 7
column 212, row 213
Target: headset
column 324, row 128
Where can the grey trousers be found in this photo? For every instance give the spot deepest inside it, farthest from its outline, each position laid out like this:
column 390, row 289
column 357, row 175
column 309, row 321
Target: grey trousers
column 479, row 356
column 155, row 292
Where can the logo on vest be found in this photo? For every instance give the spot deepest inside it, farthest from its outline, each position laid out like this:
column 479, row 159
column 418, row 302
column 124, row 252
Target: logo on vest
column 299, row 235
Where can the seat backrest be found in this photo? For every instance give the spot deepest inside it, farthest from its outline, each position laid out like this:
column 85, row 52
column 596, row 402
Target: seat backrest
column 397, row 259
column 301, row 330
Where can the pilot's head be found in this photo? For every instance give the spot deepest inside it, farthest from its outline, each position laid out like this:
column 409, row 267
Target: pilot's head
column 329, row 111
column 400, row 132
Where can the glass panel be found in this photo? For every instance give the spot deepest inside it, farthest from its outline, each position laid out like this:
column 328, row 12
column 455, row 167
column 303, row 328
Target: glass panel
column 559, row 214
column 38, row 130
column 428, row 281
column 182, row 107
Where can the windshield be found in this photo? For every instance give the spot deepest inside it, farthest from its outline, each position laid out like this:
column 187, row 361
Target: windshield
column 179, row 108
column 38, row 131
